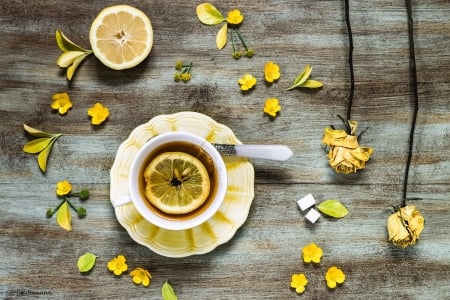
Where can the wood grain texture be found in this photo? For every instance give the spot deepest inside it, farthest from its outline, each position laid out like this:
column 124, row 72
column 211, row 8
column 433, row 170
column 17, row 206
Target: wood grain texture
column 38, row 256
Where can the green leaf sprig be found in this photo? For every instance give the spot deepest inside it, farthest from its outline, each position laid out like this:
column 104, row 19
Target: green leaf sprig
column 72, row 55
column 303, row 80
column 333, row 208
column 167, row 292
column 63, row 215
column 86, row 262
column 42, row 145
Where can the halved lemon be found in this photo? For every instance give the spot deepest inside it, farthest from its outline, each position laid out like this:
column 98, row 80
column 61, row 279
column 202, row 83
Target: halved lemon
column 121, row 36
column 176, row 182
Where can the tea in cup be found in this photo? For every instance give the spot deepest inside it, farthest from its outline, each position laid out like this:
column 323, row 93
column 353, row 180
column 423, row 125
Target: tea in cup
column 177, row 181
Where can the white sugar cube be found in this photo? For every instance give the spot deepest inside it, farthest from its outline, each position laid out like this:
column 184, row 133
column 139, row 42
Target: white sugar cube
column 306, row 202
column 312, row 215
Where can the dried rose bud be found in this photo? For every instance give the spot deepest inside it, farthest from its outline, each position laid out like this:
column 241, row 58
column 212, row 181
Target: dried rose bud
column 405, row 225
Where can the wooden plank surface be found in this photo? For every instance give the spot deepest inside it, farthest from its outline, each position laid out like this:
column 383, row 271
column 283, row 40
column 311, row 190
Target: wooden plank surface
column 39, row 257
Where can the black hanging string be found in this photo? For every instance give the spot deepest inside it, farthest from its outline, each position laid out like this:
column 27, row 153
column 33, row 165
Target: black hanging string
column 350, row 62
column 413, row 70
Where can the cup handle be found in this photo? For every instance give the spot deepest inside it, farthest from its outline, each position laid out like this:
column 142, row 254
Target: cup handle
column 119, row 201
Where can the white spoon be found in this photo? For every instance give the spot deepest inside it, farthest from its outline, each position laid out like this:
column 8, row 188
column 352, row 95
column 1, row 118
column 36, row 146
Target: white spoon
column 273, row 152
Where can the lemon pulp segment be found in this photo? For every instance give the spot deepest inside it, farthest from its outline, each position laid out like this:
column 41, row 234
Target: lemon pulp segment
column 121, row 36
column 176, row 182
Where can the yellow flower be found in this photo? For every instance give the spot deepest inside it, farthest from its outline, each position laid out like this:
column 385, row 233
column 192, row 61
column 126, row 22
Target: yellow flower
column 247, row 82
column 118, row 265
column 271, row 71
column 299, row 282
column 185, row 77
column 345, row 155
column 141, row 276
column 405, row 226
column 235, row 17
column 272, row 106
column 63, row 188
column 334, row 276
column 312, row 253
column 99, row 113
column 61, row 102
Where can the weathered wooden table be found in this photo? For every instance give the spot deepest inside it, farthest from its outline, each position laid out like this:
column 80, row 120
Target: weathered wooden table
column 38, row 258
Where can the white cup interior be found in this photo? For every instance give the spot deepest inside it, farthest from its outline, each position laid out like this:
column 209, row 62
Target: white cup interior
column 142, row 204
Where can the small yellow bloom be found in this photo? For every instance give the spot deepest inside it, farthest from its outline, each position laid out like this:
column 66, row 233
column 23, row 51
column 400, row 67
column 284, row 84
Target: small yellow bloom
column 334, row 276
column 235, row 17
column 271, row 71
column 99, row 113
column 247, row 82
column 141, row 276
column 185, row 77
column 405, row 226
column 178, row 65
column 299, row 282
column 61, row 102
column 272, row 107
column 63, row 188
column 118, row 265
column 312, row 253
column 345, row 155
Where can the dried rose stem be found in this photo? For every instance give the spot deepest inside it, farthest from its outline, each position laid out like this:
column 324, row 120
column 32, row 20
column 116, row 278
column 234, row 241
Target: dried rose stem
column 350, row 61
column 412, row 57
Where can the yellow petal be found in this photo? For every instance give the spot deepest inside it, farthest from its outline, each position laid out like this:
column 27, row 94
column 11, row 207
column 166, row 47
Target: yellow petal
column 63, row 217
column 71, row 70
column 353, row 126
column 36, row 145
column 36, row 132
column 209, row 15
column 221, row 38
column 43, row 156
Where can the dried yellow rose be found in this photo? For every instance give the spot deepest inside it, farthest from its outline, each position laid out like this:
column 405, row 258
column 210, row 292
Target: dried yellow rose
column 345, row 155
column 405, row 225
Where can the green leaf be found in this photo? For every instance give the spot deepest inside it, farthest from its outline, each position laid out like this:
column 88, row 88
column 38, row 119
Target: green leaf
column 221, row 38
column 333, row 208
column 71, row 70
column 312, row 84
column 68, row 58
column 301, row 78
column 37, row 145
column 86, row 262
column 167, row 292
column 63, row 217
column 208, row 14
column 65, row 44
column 36, row 132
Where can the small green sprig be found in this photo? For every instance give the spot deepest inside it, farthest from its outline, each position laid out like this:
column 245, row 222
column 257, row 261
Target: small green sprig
column 249, row 52
column 183, row 72
column 42, row 145
column 72, row 55
column 63, row 214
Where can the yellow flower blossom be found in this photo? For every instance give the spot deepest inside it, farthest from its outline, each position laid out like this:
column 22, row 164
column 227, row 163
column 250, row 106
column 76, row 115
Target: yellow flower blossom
column 99, row 113
column 272, row 107
column 405, row 226
column 247, row 82
column 235, row 17
column 312, row 253
column 141, row 276
column 63, row 188
column 299, row 282
column 118, row 265
column 334, row 276
column 345, row 155
column 271, row 71
column 61, row 102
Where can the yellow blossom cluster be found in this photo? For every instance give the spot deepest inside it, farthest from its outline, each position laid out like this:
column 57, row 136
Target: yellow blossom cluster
column 313, row 253
column 139, row 276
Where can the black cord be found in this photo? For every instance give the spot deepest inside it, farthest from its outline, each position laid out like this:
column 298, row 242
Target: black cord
column 412, row 56
column 350, row 61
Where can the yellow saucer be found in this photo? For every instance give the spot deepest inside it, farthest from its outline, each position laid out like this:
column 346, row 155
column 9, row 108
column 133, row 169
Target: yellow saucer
column 207, row 236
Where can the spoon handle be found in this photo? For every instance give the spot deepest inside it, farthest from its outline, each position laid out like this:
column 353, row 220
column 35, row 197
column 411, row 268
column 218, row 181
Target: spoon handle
column 272, row 152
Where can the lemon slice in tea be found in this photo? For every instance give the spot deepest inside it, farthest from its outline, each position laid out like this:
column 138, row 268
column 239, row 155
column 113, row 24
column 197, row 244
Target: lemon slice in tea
column 121, row 36
column 176, row 182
